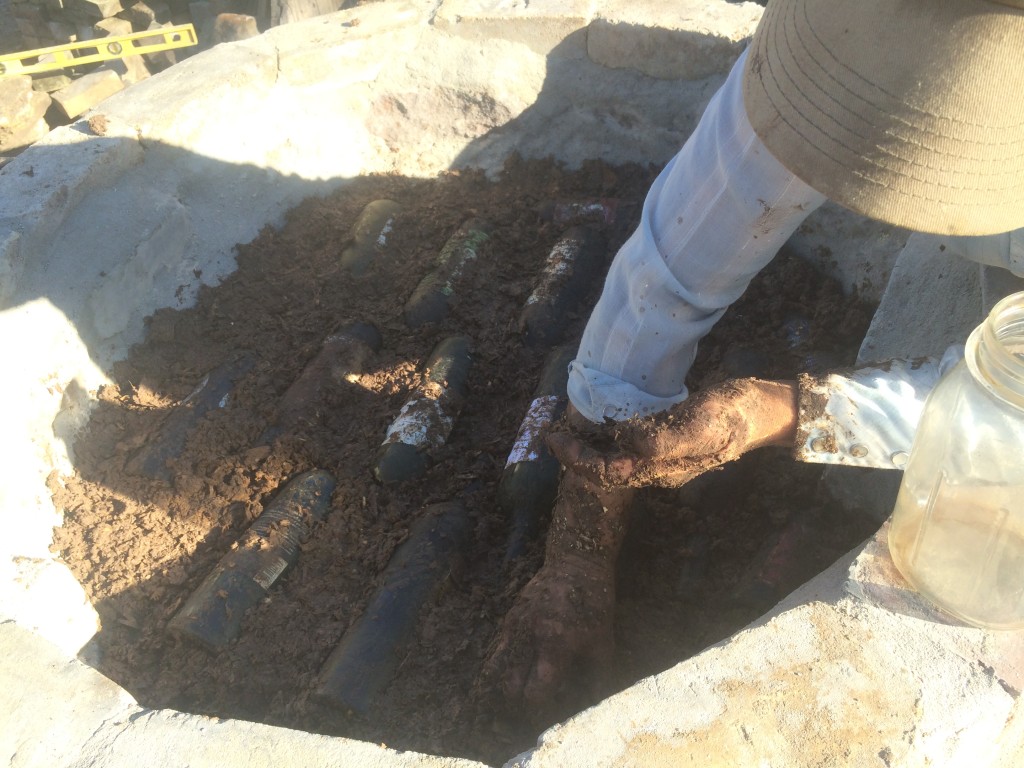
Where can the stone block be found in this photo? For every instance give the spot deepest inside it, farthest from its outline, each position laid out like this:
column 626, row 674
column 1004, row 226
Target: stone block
column 32, row 42
column 161, row 11
column 290, row 11
column 37, row 30
column 96, row 9
column 86, row 92
column 203, row 17
column 230, row 27
column 160, row 60
column 911, row 322
column 62, row 32
column 139, row 15
column 27, row 135
column 112, row 27
column 540, row 25
column 21, row 113
column 857, row 251
column 687, row 40
column 31, row 13
column 131, row 69
column 51, row 83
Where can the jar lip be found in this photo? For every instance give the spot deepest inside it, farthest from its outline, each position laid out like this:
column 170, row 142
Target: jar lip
column 994, row 366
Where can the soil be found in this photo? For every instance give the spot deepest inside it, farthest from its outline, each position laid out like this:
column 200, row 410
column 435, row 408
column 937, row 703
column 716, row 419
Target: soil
column 699, row 562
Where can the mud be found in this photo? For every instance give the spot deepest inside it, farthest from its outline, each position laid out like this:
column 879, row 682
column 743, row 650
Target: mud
column 691, row 567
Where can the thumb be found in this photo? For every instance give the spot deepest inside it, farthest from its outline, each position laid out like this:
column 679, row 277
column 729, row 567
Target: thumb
column 603, row 469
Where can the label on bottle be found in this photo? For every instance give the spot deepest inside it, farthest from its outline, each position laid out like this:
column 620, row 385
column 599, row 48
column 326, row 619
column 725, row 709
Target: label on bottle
column 538, row 417
column 422, row 423
column 269, row 573
column 559, row 264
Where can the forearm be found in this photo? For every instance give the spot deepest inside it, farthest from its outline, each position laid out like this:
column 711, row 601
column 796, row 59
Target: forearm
column 588, row 521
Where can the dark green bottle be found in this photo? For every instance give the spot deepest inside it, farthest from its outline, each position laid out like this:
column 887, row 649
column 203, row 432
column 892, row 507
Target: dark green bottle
column 212, row 616
column 529, row 483
column 369, row 653
column 431, row 301
column 427, row 418
column 573, row 265
column 369, row 236
column 342, row 356
column 212, row 393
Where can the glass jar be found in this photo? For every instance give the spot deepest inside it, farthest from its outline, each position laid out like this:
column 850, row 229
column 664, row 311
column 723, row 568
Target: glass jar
column 957, row 531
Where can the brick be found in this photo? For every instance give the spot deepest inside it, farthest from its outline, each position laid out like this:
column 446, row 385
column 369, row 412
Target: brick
column 86, row 92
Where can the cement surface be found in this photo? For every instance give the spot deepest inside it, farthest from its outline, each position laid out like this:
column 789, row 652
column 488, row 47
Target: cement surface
column 98, row 231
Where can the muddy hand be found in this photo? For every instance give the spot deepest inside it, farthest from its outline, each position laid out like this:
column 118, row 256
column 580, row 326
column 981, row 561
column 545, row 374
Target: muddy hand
column 560, row 623
column 671, row 448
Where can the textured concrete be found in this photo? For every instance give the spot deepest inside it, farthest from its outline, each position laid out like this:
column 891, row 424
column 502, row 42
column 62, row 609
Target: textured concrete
column 852, row 669
column 98, row 231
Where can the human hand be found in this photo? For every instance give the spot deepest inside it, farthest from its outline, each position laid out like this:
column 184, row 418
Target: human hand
column 670, row 449
column 560, row 624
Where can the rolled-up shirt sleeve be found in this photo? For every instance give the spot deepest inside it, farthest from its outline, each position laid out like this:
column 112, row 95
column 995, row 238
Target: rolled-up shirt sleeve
column 866, row 418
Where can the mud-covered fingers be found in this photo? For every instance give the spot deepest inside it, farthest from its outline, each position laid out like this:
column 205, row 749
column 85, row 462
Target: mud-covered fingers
column 509, row 663
column 608, row 469
column 547, row 673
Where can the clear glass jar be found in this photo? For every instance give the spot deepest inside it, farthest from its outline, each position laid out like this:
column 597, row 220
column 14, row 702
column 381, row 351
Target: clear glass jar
column 957, row 531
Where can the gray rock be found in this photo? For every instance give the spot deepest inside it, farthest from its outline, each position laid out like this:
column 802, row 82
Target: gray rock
column 21, row 113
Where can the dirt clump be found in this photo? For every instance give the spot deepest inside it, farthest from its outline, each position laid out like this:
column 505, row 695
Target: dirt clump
column 140, row 545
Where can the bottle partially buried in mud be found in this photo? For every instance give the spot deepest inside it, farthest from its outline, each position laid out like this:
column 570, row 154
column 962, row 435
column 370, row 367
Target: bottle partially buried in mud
column 369, row 236
column 431, row 301
column 529, row 483
column 426, row 420
column 572, row 266
column 369, row 654
column 212, row 616
column 213, row 392
column 341, row 359
column 600, row 211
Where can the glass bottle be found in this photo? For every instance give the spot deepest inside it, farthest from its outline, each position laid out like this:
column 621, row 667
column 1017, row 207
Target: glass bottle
column 957, row 531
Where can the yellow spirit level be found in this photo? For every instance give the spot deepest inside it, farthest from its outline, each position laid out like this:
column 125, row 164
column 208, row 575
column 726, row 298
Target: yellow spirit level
column 103, row 49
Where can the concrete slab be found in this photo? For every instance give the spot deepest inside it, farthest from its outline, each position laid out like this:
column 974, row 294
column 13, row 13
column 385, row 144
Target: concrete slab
column 910, row 321
column 70, row 716
column 540, row 25
column 678, row 41
column 868, row 664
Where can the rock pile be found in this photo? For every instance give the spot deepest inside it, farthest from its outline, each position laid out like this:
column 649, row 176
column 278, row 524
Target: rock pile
column 31, row 105
column 22, row 111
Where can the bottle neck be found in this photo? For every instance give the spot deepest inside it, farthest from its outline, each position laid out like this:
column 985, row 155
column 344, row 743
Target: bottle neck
column 995, row 351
